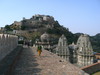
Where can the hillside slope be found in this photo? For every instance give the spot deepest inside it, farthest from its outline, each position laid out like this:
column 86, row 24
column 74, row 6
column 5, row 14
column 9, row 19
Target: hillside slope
column 39, row 24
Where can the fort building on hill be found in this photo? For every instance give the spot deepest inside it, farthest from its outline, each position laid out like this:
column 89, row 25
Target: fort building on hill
column 36, row 21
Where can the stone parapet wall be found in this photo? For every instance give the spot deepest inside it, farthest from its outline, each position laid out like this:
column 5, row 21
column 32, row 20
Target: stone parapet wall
column 92, row 68
column 19, row 31
column 7, row 44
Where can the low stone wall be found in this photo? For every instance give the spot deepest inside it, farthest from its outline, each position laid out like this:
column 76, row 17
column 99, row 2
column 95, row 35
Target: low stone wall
column 7, row 44
column 92, row 68
column 7, row 63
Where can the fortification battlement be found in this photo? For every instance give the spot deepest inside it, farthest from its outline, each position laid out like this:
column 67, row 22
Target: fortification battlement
column 7, row 44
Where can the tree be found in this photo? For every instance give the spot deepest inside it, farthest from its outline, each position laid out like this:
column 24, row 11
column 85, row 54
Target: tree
column 23, row 27
column 8, row 28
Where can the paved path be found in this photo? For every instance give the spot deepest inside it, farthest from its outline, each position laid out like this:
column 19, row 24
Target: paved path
column 48, row 63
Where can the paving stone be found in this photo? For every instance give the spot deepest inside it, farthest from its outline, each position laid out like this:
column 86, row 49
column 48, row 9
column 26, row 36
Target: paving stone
column 46, row 64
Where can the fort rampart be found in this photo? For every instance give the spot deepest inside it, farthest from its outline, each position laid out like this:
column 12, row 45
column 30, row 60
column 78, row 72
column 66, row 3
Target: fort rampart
column 7, row 44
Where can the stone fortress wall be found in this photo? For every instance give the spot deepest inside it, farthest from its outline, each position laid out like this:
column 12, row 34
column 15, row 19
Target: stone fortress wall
column 7, row 44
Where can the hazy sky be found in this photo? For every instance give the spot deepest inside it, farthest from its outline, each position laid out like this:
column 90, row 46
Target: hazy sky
column 77, row 15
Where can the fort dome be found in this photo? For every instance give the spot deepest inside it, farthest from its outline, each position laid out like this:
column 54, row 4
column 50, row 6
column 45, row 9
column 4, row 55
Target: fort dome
column 44, row 37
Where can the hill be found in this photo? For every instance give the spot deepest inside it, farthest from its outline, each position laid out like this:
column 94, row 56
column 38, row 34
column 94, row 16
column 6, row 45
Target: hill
column 95, row 40
column 39, row 24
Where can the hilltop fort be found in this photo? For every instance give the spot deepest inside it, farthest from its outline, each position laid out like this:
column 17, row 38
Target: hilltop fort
column 34, row 27
column 36, row 21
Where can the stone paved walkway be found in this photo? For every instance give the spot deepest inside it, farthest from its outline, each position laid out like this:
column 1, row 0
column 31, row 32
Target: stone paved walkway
column 48, row 63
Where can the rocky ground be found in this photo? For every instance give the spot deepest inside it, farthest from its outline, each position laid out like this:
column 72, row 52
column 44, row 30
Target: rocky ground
column 29, row 63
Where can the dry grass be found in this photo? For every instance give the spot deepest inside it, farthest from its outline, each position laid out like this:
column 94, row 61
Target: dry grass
column 97, row 73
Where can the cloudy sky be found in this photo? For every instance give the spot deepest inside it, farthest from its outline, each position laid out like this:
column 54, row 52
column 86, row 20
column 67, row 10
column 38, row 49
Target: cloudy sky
column 78, row 15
